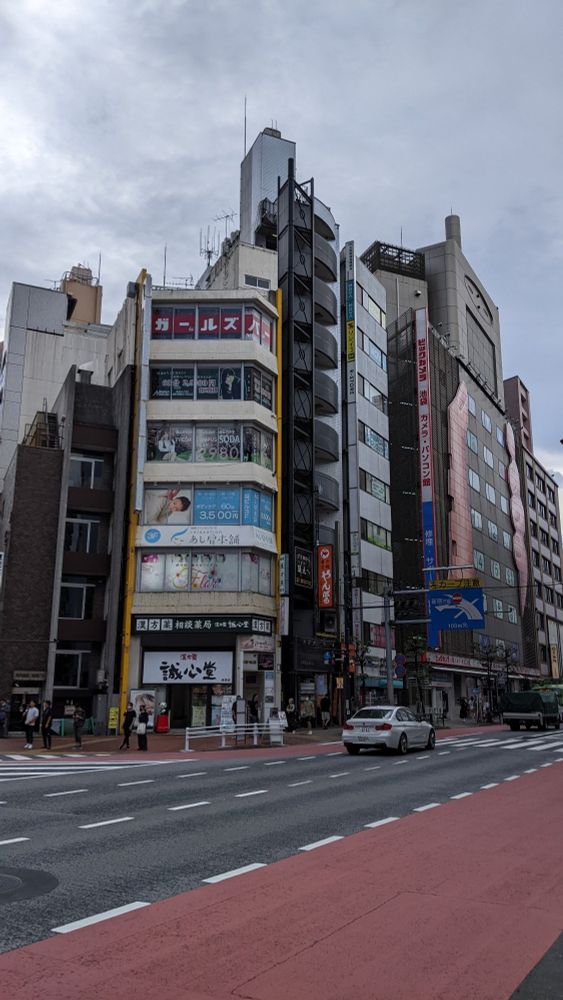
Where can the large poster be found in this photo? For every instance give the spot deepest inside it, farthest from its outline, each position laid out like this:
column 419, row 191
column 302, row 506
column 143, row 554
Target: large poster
column 144, row 699
column 168, row 506
column 198, row 667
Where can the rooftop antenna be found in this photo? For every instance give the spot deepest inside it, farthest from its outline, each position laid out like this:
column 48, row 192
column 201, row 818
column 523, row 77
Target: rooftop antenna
column 226, row 217
column 401, row 237
column 164, row 266
column 245, row 124
column 99, row 265
column 209, row 247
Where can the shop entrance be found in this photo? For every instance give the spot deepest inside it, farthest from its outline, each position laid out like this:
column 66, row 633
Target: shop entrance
column 196, row 704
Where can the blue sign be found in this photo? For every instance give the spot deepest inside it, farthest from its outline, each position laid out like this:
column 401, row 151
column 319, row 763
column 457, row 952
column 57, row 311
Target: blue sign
column 250, row 507
column 216, row 506
column 152, row 536
column 266, row 511
column 456, row 609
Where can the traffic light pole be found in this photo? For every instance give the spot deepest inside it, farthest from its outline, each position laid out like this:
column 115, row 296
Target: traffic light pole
column 388, row 646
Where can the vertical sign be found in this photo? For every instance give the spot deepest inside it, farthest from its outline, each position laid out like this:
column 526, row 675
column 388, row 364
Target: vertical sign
column 425, row 452
column 517, row 517
column 351, row 413
column 283, row 571
column 325, row 576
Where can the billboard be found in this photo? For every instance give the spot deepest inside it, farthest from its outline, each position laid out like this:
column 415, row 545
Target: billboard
column 325, row 576
column 197, row 667
column 425, row 453
column 456, row 605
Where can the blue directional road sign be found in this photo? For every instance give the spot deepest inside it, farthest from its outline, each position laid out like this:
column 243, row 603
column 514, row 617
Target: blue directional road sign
column 455, row 607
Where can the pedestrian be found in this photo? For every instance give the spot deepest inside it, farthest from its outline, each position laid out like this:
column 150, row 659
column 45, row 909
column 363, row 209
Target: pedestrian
column 78, row 720
column 46, row 724
column 325, row 711
column 472, row 708
column 142, row 728
column 291, row 715
column 463, row 708
column 308, row 713
column 4, row 710
column 253, row 709
column 129, row 717
column 30, row 720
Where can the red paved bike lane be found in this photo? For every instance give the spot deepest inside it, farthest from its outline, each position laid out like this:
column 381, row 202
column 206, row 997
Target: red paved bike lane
column 457, row 903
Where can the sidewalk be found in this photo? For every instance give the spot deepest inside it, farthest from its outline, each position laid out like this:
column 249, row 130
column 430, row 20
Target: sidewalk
column 174, row 742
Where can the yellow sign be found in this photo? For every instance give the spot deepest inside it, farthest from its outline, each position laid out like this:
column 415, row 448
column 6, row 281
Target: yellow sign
column 351, row 340
column 113, row 718
column 454, row 584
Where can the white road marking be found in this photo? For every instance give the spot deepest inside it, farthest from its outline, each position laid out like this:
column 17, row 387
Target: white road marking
column 461, row 795
column 274, row 763
column 97, row 918
column 430, row 805
column 531, row 770
column 424, row 756
column 397, row 762
column 234, row 872
column 493, row 784
column 14, row 840
column 320, row 843
column 244, row 795
column 331, row 743
column 549, row 763
column 72, row 791
column 295, row 784
column 335, row 753
column 512, row 777
column 17, row 756
column 341, row 774
column 190, row 805
column 242, row 767
column 442, row 753
column 307, row 758
column 106, row 822
column 382, row 822
column 126, row 784
column 193, row 774
column 374, row 767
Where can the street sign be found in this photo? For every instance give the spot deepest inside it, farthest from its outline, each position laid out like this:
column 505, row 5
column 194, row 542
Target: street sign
column 453, row 607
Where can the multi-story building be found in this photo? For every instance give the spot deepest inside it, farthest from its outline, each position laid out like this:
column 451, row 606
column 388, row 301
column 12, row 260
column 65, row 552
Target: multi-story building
column 204, row 604
column 543, row 615
column 455, row 488
column 367, row 550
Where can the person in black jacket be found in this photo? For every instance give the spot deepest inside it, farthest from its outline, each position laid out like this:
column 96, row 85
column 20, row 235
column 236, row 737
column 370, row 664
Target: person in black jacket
column 129, row 717
column 46, row 723
column 142, row 724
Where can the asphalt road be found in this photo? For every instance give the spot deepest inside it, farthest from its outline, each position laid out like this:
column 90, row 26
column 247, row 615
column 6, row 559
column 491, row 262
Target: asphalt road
column 166, row 827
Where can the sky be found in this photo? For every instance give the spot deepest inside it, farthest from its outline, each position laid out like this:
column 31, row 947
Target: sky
column 122, row 132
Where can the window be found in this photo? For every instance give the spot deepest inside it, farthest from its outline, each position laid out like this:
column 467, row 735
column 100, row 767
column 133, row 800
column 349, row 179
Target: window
column 218, row 442
column 529, row 472
column 229, row 322
column 373, row 440
column 372, row 350
column 540, row 483
column 551, row 495
column 488, row 456
column 497, row 607
column 474, row 480
column 85, row 472
column 374, row 583
column 559, row 599
column 500, row 436
column 490, row 493
column 478, row 560
column 544, row 537
column 375, row 534
column 472, row 442
column 476, row 519
column 548, row 595
column 555, row 547
column 486, row 421
column 369, row 392
column 502, row 470
column 539, row 590
column 204, row 571
column 512, row 614
column 509, row 576
column 254, row 282
column 504, row 505
column 204, row 382
column 531, row 500
column 533, row 529
column 375, row 487
column 507, row 539
column 495, row 569
column 552, row 520
column 71, row 670
column 493, row 530
column 76, row 599
column 543, row 654
column 557, row 574
column 81, row 534
column 542, row 510
column 536, row 558
column 540, row 621
column 546, row 565
column 370, row 305
column 472, row 405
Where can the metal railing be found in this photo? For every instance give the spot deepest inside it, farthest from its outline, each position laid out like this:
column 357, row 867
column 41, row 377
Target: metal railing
column 255, row 733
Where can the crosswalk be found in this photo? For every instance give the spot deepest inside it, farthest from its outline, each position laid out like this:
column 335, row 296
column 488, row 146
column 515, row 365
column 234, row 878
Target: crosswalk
column 550, row 741
column 14, row 767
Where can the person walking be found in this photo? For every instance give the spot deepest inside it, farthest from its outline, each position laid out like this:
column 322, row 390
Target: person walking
column 30, row 720
column 142, row 728
column 4, row 711
column 46, row 724
column 325, row 711
column 129, row 717
column 253, row 713
column 78, row 720
column 308, row 712
column 291, row 715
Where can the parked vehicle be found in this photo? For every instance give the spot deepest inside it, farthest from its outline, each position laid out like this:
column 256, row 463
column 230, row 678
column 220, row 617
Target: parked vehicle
column 389, row 727
column 558, row 690
column 530, row 708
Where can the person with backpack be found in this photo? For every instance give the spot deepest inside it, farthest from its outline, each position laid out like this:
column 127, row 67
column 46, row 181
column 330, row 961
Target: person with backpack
column 78, row 720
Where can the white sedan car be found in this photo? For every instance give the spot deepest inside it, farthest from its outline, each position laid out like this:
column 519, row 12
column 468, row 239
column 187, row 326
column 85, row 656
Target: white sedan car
column 388, row 726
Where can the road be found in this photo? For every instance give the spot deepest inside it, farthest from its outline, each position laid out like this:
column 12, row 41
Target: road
column 80, row 837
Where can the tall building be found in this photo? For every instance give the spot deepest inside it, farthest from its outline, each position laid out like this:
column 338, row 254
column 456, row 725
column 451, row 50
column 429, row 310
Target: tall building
column 204, row 610
column 265, row 162
column 543, row 616
column 455, row 488
column 367, row 551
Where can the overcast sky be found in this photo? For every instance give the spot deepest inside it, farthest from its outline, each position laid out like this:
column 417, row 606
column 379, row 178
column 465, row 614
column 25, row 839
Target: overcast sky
column 122, row 130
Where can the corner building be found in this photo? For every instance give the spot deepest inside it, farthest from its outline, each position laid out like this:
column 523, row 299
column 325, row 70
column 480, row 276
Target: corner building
column 204, row 607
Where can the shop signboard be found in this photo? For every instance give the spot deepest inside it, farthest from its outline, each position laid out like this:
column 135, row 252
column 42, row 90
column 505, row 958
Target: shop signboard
column 283, row 571
column 455, row 605
column 216, row 506
column 206, row 536
column 200, row 666
column 425, row 454
column 325, row 576
column 303, row 567
column 232, row 624
column 258, row 643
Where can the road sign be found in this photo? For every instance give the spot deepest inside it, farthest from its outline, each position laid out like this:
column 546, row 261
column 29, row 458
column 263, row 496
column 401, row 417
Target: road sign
column 455, row 608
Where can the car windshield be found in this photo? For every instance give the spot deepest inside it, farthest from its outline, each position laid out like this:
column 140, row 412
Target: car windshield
column 373, row 713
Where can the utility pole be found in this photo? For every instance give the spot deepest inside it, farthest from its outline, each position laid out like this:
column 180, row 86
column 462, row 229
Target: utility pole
column 388, row 645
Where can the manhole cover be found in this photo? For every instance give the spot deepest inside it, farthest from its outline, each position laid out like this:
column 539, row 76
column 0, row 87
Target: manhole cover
column 24, row 883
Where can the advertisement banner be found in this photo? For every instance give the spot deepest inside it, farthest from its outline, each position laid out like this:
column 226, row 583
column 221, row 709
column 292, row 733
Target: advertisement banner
column 144, row 699
column 216, row 506
column 325, row 576
column 197, row 667
column 206, row 536
column 425, row 451
column 303, row 567
column 232, row 624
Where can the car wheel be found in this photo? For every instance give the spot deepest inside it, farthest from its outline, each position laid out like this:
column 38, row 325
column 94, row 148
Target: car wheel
column 351, row 748
column 431, row 740
column 403, row 744
column 558, row 724
column 528, row 725
column 515, row 726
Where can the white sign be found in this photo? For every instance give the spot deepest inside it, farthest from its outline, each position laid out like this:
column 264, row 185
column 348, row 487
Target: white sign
column 206, row 536
column 198, row 667
column 257, row 643
column 283, row 618
column 450, row 660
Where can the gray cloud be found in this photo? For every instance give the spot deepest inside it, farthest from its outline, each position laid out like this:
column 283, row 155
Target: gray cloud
column 123, row 130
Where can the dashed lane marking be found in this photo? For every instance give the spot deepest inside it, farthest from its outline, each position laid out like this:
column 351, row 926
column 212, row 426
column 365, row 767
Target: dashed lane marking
column 295, row 784
column 192, row 774
column 13, row 840
column 127, row 784
column 429, row 805
column 188, row 805
column 241, row 767
column 106, row 822
column 246, row 795
column 274, row 763
column 320, row 843
column 461, row 795
column 381, row 822
column 71, row 791
column 232, row 874
column 512, row 777
column 96, row 918
column 492, row 784
column 340, row 774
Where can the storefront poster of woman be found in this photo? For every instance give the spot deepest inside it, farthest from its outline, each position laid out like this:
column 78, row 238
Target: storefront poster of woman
column 214, row 571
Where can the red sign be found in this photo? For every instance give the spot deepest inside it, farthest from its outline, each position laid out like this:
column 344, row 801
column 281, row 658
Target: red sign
column 184, row 323
column 231, row 323
column 325, row 576
column 161, row 322
column 208, row 323
column 252, row 325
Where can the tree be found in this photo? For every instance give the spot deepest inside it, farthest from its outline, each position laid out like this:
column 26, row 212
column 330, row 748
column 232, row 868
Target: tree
column 415, row 646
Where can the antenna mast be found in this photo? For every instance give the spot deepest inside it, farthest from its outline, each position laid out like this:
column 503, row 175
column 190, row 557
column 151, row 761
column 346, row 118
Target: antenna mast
column 209, row 247
column 226, row 217
column 245, row 124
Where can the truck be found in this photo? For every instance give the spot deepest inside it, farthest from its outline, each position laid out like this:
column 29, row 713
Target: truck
column 530, row 708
